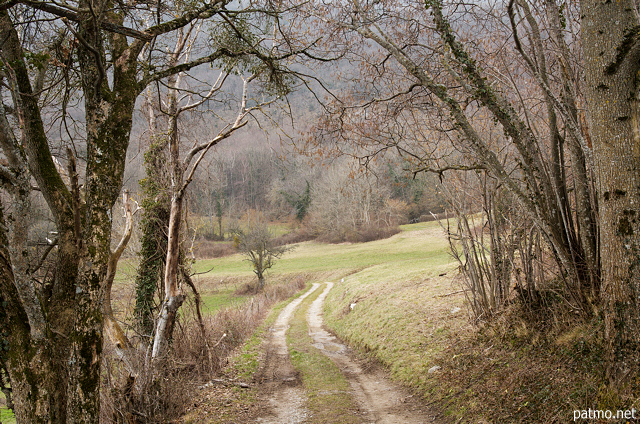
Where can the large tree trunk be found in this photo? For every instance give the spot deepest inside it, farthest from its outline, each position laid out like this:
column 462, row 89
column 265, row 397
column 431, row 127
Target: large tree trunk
column 54, row 367
column 609, row 31
column 32, row 364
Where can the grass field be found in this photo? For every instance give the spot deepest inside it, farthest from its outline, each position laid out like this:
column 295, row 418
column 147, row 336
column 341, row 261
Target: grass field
column 402, row 249
column 218, row 279
column 401, row 303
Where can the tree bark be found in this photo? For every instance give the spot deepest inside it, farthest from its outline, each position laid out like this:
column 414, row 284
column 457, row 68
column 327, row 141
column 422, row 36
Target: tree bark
column 611, row 63
column 173, row 294
column 33, row 365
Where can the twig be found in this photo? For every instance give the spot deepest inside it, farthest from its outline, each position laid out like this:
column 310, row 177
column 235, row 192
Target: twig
column 229, row 383
column 220, row 341
column 449, row 294
column 50, row 247
column 203, row 272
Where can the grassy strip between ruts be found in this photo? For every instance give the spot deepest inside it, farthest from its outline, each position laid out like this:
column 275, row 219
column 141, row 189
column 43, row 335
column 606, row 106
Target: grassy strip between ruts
column 329, row 393
column 246, row 363
column 231, row 404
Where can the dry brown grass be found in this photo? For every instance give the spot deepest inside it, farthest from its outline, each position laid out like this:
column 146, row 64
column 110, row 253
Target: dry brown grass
column 362, row 235
column 162, row 391
column 513, row 371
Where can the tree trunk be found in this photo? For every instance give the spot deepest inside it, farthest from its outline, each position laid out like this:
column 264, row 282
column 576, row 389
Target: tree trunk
column 173, row 294
column 611, row 64
column 33, row 364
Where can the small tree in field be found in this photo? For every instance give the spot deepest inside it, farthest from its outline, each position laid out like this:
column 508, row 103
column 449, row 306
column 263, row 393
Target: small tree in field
column 256, row 243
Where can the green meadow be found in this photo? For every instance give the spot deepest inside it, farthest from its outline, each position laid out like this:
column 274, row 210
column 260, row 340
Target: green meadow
column 409, row 249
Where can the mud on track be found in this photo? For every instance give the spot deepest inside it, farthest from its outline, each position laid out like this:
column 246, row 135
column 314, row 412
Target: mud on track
column 379, row 400
column 278, row 378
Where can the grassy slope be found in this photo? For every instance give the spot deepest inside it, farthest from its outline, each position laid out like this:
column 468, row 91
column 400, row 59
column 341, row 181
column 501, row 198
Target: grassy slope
column 397, row 316
column 406, row 315
column 405, row 250
column 312, row 257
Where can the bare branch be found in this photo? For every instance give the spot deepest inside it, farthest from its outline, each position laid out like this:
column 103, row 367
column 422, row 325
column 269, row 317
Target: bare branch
column 48, row 250
column 94, row 52
column 72, row 15
column 204, row 12
column 441, row 171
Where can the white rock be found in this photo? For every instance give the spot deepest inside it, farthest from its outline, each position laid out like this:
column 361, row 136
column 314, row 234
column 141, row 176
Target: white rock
column 353, row 305
column 455, row 310
column 434, row 369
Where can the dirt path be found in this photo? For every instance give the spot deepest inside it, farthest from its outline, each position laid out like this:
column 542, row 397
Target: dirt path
column 280, row 380
column 380, row 400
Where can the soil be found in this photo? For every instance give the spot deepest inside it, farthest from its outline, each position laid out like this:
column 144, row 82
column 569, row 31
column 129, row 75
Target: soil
column 277, row 393
column 280, row 382
column 380, row 400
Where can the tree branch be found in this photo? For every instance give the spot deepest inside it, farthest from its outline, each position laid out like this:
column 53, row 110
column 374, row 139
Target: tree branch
column 101, row 73
column 72, row 15
column 207, row 11
column 48, row 250
column 441, row 171
column 34, row 136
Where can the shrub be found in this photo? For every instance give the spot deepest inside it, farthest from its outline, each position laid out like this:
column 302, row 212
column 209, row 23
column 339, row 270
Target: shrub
column 362, row 235
column 162, row 391
column 208, row 249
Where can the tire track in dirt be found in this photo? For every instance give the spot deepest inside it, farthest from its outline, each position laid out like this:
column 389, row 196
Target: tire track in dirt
column 279, row 379
column 381, row 400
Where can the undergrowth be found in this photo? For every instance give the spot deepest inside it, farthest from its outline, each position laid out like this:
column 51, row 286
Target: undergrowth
column 515, row 370
column 164, row 391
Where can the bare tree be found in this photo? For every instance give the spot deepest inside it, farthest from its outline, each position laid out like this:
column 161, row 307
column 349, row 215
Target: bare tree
column 182, row 172
column 420, row 106
column 256, row 243
column 573, row 174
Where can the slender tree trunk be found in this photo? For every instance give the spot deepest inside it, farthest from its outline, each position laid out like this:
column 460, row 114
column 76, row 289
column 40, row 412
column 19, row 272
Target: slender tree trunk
column 173, row 293
column 611, row 65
